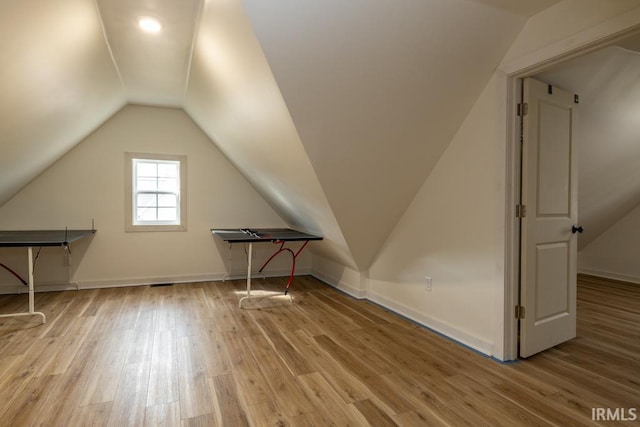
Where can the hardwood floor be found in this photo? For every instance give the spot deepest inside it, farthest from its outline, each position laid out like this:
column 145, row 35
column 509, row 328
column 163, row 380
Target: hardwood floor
column 187, row 355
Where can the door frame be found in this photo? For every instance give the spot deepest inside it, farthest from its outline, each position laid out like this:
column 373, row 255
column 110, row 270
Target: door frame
column 512, row 73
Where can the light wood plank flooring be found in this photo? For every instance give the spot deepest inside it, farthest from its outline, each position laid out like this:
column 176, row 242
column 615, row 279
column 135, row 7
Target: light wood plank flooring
column 187, row 355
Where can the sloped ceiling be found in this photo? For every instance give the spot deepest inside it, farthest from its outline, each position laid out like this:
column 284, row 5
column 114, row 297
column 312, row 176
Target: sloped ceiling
column 521, row 7
column 233, row 97
column 376, row 92
column 58, row 83
column 608, row 82
column 335, row 111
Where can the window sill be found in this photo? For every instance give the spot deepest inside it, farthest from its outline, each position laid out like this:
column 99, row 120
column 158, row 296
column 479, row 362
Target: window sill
column 150, row 228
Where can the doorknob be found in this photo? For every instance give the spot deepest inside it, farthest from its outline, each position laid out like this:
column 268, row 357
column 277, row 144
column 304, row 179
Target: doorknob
column 575, row 229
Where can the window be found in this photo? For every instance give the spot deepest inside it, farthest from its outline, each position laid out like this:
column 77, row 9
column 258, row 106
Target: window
column 155, row 192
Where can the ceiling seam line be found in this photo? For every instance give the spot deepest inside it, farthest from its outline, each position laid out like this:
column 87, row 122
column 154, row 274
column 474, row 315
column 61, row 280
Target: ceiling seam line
column 106, row 40
column 194, row 38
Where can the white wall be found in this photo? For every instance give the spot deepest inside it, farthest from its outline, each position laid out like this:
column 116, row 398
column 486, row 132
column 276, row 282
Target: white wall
column 88, row 183
column 455, row 229
column 344, row 278
column 616, row 252
column 453, row 233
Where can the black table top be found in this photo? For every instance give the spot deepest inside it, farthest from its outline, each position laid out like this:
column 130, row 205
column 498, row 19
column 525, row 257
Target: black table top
column 239, row 235
column 37, row 238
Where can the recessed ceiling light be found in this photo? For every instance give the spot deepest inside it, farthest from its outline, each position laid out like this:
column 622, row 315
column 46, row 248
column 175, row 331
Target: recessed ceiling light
column 150, row 25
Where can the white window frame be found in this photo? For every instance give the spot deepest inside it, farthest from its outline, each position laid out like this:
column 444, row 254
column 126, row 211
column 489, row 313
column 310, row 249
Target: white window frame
column 130, row 194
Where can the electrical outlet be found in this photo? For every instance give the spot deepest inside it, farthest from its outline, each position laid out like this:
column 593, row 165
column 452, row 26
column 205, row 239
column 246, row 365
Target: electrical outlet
column 427, row 283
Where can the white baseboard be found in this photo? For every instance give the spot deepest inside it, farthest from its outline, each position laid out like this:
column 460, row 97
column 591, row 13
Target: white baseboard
column 443, row 328
column 610, row 275
column 340, row 284
column 44, row 287
column 449, row 331
column 469, row 340
column 143, row 281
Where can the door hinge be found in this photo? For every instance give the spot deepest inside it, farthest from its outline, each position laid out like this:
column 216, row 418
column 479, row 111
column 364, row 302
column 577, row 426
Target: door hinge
column 521, row 211
column 519, row 312
column 523, row 109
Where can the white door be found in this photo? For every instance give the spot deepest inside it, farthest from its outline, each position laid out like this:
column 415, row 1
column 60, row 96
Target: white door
column 549, row 226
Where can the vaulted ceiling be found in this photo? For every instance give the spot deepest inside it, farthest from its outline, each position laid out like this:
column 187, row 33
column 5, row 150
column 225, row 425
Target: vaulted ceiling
column 335, row 111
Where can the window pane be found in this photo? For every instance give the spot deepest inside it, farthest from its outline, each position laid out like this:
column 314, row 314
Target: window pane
column 147, row 184
column 168, row 184
column 167, row 214
column 146, row 214
column 147, row 200
column 147, row 169
column 168, row 170
column 156, row 186
column 167, row 200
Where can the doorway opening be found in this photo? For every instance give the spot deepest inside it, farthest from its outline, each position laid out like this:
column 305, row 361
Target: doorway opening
column 585, row 71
